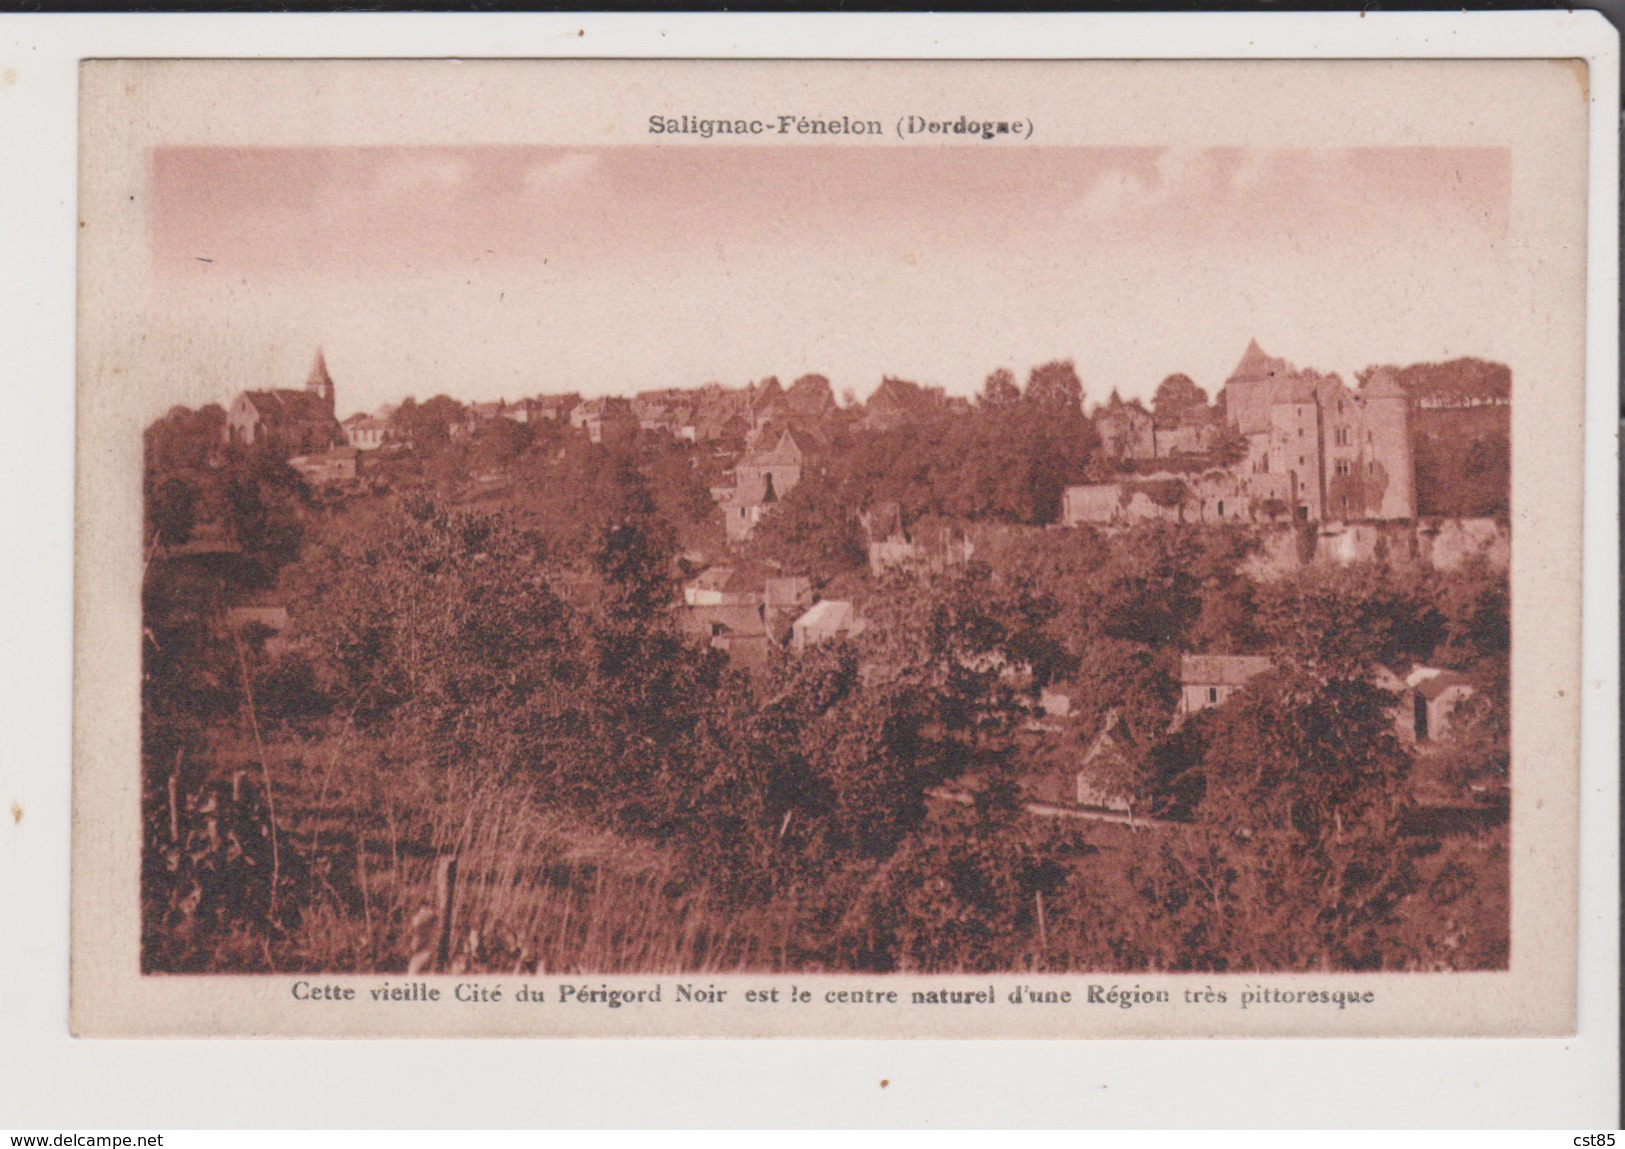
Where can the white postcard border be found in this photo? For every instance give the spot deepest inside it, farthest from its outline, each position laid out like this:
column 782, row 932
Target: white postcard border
column 46, row 95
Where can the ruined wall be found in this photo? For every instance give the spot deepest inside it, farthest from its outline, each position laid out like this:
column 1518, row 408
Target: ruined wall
column 1440, row 544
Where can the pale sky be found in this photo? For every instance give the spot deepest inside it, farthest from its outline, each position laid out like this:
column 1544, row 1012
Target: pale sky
column 489, row 272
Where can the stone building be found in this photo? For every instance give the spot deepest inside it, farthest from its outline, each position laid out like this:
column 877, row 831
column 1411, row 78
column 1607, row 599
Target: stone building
column 761, row 479
column 295, row 421
column 1126, row 430
column 1319, row 449
column 1210, row 679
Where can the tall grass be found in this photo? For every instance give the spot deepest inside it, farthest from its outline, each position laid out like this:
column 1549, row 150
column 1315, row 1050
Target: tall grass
column 355, row 891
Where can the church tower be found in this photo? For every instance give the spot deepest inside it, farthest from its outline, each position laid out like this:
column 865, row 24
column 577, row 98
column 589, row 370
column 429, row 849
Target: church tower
column 319, row 382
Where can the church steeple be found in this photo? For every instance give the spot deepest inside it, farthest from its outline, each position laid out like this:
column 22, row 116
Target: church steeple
column 319, row 382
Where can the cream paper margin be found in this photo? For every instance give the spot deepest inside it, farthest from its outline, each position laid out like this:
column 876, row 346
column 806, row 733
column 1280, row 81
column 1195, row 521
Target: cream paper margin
column 1537, row 108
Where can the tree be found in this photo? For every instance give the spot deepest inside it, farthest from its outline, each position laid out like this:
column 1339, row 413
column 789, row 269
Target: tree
column 427, row 425
column 1176, row 397
column 184, row 440
column 263, row 503
column 1292, row 753
column 1154, row 585
column 1053, row 388
column 810, row 396
column 499, row 443
column 1229, row 445
column 1339, row 623
column 1137, row 681
column 1295, row 865
column 1169, row 494
column 1000, row 391
column 956, row 641
column 812, row 531
column 172, row 511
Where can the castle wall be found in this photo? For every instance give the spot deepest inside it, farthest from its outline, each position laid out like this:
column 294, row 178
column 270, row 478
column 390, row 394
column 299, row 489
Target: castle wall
column 1437, row 544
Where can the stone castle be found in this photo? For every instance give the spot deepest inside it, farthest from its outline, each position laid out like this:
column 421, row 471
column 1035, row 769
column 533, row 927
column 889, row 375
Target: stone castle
column 1316, row 451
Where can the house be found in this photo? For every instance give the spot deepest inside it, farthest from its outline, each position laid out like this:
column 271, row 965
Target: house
column 473, row 416
column 335, row 465
column 830, row 619
column 1129, row 501
column 897, row 401
column 809, row 400
column 666, row 411
column 603, row 415
column 1126, row 430
column 666, row 419
column 1428, row 698
column 705, row 588
column 287, row 420
column 1216, row 495
column 761, row 479
column 554, row 408
column 368, row 432
column 258, row 619
column 716, row 414
column 1193, row 433
column 1055, row 703
column 765, row 403
column 788, row 592
column 723, row 586
column 1109, row 761
column 785, row 599
column 776, row 471
column 922, row 549
column 1210, row 679
column 893, row 546
column 739, row 631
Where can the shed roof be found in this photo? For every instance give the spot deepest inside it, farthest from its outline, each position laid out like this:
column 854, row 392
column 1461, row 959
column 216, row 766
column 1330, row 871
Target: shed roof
column 830, row 615
column 741, row 621
column 1430, row 681
column 1221, row 669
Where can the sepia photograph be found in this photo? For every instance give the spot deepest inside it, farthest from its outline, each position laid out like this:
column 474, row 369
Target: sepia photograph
column 817, row 557
column 657, row 662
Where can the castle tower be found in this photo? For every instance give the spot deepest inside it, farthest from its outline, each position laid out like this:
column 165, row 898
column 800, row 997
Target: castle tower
column 1388, row 424
column 319, row 382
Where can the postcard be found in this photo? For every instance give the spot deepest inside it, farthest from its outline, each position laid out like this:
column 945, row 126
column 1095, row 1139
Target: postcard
column 838, row 548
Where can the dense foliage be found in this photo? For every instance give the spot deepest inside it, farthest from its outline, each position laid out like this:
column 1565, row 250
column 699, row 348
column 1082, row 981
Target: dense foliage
column 482, row 659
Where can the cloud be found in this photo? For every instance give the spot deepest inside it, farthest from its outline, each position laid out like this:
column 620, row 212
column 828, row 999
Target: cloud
column 409, row 176
column 560, row 171
column 1130, row 191
column 1212, row 190
column 1115, row 194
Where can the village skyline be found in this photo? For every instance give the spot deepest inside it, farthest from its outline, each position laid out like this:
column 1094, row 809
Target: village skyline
column 845, row 398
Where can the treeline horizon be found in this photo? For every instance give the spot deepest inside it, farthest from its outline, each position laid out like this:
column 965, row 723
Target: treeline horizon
column 1463, row 375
